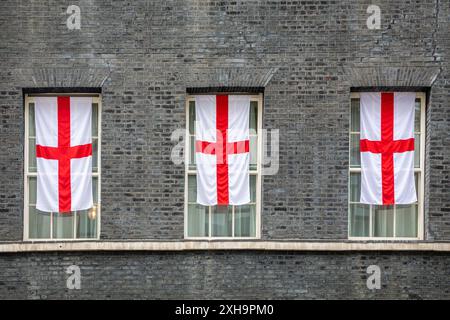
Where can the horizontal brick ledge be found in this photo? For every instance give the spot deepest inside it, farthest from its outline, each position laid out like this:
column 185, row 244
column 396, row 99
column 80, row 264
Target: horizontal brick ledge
column 221, row 245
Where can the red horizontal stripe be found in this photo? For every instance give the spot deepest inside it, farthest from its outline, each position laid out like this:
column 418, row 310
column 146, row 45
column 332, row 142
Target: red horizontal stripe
column 232, row 147
column 205, row 147
column 238, row 147
column 57, row 153
column 81, row 151
column 51, row 153
column 395, row 146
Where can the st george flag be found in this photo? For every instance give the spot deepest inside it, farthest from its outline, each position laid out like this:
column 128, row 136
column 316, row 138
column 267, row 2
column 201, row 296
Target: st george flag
column 64, row 153
column 222, row 149
column 387, row 148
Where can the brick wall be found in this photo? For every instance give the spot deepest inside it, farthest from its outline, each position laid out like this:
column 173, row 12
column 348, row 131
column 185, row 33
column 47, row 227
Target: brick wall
column 225, row 275
column 307, row 55
column 145, row 54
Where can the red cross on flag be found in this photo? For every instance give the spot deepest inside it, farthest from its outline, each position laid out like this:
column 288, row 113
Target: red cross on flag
column 387, row 148
column 64, row 153
column 222, row 149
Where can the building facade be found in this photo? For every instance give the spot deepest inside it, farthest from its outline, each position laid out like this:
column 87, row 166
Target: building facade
column 304, row 63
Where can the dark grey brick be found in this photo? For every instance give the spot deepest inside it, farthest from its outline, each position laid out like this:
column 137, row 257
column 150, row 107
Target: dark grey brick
column 144, row 54
column 225, row 275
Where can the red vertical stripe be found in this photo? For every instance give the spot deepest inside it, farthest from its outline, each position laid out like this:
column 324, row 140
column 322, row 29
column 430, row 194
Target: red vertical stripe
column 387, row 136
column 64, row 185
column 387, row 116
column 221, row 150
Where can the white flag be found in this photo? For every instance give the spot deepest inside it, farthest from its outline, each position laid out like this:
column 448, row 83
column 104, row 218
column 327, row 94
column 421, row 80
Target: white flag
column 387, row 148
column 64, row 153
column 222, row 149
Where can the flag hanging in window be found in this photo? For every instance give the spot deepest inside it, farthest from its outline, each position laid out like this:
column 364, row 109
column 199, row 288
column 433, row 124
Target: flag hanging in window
column 64, row 153
column 222, row 149
column 387, row 148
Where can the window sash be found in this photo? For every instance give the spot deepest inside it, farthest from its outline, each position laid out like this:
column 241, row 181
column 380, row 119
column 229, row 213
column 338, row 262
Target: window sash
column 419, row 131
column 77, row 218
column 254, row 171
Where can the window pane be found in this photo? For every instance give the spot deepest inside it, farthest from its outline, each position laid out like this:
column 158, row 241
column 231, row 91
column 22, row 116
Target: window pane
column 94, row 155
column 417, row 116
column 221, row 221
column 198, row 223
column 32, row 185
column 355, row 187
column 383, row 225
column 31, row 123
column 253, row 188
column 192, row 152
column 95, row 119
column 406, row 221
column 63, row 225
column 416, row 178
column 87, row 224
column 191, row 117
column 253, row 152
column 95, row 189
column 355, row 156
column 32, row 155
column 359, row 220
column 417, row 150
column 245, row 221
column 253, row 116
column 192, row 188
column 39, row 224
column 354, row 126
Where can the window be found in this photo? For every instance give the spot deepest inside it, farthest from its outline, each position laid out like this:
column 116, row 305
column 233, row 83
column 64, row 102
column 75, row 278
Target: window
column 40, row 225
column 393, row 221
column 223, row 221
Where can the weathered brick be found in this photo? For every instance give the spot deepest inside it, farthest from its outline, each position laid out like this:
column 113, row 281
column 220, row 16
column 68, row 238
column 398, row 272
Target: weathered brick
column 144, row 54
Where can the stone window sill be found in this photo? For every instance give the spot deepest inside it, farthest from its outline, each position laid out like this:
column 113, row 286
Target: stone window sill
column 191, row 245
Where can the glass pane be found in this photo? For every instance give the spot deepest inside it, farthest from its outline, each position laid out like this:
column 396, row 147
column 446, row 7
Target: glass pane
column 87, row 223
column 32, row 155
column 406, row 221
column 417, row 150
column 253, row 152
column 95, row 119
column 191, row 117
column 416, row 178
column 31, row 123
column 359, row 220
column 355, row 156
column 245, row 221
column 192, row 188
column 221, row 221
column 417, row 116
column 253, row 117
column 63, row 225
column 355, row 187
column 94, row 155
column 38, row 224
column 32, row 185
column 354, row 126
column 253, row 188
column 95, row 189
column 383, row 225
column 192, row 152
column 198, row 222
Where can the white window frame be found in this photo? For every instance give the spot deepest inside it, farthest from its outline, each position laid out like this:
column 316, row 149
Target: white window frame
column 259, row 99
column 421, row 178
column 96, row 98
